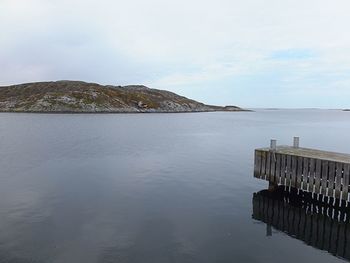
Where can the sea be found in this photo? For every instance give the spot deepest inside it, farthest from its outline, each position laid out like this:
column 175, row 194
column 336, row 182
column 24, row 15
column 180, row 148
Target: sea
column 154, row 188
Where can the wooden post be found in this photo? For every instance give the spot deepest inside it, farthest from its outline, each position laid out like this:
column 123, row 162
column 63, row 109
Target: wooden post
column 272, row 182
column 273, row 145
column 296, row 142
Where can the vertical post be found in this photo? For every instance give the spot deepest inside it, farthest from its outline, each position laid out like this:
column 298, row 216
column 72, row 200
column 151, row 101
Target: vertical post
column 273, row 145
column 272, row 183
column 296, row 142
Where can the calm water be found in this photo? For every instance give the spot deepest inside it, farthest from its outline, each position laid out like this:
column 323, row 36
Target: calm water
column 148, row 188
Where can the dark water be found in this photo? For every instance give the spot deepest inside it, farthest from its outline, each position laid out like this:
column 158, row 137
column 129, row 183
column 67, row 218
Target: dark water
column 148, row 188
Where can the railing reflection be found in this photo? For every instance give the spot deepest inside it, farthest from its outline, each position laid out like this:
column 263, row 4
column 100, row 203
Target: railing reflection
column 296, row 213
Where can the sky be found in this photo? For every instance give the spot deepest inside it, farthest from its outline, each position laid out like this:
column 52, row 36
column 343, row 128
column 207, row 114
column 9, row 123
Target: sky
column 250, row 53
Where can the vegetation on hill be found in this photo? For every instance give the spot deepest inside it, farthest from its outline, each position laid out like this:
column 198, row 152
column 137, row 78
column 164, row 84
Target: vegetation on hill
column 78, row 96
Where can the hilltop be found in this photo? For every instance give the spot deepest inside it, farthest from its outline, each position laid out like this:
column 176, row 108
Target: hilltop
column 78, row 96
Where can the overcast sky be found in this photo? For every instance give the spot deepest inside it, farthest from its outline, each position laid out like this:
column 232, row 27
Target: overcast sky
column 251, row 53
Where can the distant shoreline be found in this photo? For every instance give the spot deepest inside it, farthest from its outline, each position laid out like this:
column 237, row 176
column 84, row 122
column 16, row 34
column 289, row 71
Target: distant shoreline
column 82, row 97
column 120, row 112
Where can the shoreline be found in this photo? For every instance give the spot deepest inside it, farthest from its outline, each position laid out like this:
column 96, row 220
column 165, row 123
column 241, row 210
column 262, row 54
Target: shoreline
column 118, row 112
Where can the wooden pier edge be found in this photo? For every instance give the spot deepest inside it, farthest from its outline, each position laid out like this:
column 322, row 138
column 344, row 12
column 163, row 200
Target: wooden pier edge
column 319, row 172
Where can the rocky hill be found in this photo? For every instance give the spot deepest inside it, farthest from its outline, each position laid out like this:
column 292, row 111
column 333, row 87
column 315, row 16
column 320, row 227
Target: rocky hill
column 78, row 96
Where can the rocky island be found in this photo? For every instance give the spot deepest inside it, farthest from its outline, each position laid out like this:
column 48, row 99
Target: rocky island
column 82, row 97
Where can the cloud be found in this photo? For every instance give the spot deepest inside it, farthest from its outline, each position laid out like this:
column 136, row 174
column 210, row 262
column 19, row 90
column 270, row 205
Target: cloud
column 291, row 54
column 179, row 45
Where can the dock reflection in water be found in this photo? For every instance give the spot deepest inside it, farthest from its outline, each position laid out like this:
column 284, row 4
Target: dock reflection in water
column 318, row 224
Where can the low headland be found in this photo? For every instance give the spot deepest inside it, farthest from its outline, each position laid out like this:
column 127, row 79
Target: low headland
column 81, row 97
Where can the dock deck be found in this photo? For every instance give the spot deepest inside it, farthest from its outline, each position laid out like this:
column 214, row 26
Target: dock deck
column 315, row 171
column 311, row 153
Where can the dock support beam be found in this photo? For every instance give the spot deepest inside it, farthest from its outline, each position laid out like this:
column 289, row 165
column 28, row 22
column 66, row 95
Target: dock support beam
column 273, row 147
column 321, row 173
column 296, row 142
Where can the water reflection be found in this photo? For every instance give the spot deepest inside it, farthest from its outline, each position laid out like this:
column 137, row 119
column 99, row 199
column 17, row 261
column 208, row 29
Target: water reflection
column 318, row 224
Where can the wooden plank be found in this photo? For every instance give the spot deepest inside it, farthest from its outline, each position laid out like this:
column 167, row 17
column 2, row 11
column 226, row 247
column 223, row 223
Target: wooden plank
column 288, row 170
column 257, row 164
column 256, row 157
column 309, row 174
column 317, row 176
column 272, row 167
column 331, row 178
column 312, row 153
column 305, row 173
column 294, row 171
column 346, row 179
column 299, row 171
column 338, row 180
column 324, row 177
column 268, row 164
column 263, row 165
column 283, row 169
column 278, row 169
column 312, row 170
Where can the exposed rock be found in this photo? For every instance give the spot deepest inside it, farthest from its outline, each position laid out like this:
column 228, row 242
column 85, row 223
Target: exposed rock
column 78, row 96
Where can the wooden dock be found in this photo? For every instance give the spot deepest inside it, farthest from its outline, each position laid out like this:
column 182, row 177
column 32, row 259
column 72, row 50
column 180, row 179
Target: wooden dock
column 323, row 226
column 318, row 172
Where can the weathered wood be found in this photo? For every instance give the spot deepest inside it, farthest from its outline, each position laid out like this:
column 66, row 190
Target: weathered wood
column 324, row 176
column 263, row 165
column 273, row 144
column 305, row 173
column 257, row 164
column 283, row 169
column 312, row 175
column 294, row 171
column 338, row 177
column 288, row 169
column 299, row 172
column 296, row 142
column 346, row 179
column 273, row 167
column 312, row 153
column 331, row 178
column 278, row 169
column 323, row 173
column 268, row 165
column 318, row 176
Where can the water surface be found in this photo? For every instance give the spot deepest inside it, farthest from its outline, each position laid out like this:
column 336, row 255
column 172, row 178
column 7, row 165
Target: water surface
column 148, row 187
